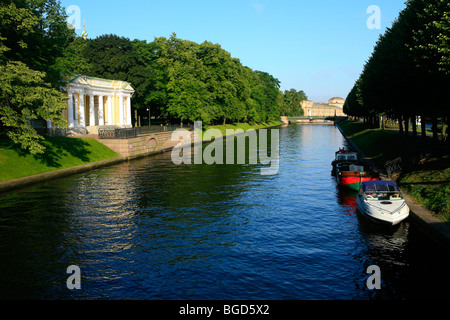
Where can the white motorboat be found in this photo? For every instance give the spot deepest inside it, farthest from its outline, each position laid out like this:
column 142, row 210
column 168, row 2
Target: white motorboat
column 382, row 201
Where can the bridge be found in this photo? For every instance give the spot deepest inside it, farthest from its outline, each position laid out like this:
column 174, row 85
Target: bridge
column 315, row 119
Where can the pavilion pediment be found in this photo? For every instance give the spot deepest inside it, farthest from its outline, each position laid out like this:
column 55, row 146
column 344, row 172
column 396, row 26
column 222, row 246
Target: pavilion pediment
column 99, row 83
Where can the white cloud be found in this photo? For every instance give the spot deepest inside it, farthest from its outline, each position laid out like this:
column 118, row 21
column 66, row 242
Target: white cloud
column 259, row 7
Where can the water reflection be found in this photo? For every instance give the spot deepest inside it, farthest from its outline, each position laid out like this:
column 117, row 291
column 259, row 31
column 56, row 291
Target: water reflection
column 148, row 229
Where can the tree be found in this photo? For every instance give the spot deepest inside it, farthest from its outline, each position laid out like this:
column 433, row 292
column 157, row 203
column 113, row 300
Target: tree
column 25, row 93
column 73, row 60
column 411, row 56
column 149, row 55
column 115, row 58
column 292, row 103
column 190, row 81
column 46, row 40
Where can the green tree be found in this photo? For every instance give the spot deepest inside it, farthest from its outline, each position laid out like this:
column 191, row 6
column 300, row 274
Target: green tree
column 191, row 81
column 292, row 103
column 25, row 93
column 149, row 55
column 73, row 60
column 45, row 42
column 115, row 58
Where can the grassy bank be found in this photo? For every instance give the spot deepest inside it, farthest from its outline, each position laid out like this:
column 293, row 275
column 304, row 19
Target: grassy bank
column 60, row 153
column 243, row 126
column 427, row 181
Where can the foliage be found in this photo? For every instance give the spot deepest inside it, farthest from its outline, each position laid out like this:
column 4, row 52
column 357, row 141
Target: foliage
column 177, row 79
column 408, row 74
column 291, row 104
column 24, row 95
column 32, row 35
column 73, row 60
column 115, row 58
column 204, row 82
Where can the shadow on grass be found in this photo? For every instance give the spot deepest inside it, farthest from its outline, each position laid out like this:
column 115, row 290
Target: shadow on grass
column 55, row 148
column 427, row 182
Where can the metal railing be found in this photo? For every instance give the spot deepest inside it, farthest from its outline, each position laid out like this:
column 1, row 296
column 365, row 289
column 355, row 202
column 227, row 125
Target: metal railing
column 129, row 133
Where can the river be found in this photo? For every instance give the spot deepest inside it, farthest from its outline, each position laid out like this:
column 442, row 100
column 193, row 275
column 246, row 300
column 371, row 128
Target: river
column 149, row 229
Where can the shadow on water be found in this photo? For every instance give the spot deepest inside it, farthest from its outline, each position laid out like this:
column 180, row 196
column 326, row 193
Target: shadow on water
column 55, row 149
column 409, row 260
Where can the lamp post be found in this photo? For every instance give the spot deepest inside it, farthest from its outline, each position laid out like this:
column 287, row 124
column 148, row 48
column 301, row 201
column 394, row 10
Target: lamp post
column 149, row 119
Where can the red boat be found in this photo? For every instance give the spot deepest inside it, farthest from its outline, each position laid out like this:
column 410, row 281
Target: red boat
column 352, row 175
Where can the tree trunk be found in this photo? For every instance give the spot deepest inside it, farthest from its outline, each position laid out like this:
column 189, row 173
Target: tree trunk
column 414, row 126
column 224, row 121
column 444, row 125
column 448, row 127
column 424, row 126
column 400, row 124
column 435, row 129
column 407, row 125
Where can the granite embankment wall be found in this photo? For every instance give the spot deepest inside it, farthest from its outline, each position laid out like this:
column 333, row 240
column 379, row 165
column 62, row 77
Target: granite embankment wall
column 142, row 145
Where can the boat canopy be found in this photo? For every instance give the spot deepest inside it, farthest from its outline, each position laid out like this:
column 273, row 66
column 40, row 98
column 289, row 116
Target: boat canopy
column 380, row 186
column 347, row 156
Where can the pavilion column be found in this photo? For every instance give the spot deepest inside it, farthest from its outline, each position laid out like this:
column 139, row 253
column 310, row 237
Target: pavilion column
column 101, row 115
column 128, row 111
column 121, row 111
column 91, row 110
column 110, row 111
column 70, row 110
column 82, row 107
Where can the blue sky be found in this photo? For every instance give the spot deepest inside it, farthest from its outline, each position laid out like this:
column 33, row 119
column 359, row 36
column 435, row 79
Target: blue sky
column 318, row 46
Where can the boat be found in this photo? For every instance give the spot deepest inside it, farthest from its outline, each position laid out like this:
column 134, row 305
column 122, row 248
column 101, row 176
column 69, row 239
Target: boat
column 351, row 175
column 382, row 202
column 344, row 156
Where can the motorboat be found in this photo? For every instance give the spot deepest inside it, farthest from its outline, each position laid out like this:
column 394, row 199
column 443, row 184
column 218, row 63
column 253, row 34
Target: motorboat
column 382, row 202
column 344, row 156
column 351, row 175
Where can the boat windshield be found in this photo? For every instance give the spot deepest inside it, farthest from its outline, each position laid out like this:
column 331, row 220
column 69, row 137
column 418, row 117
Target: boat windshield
column 383, row 196
column 381, row 187
column 347, row 157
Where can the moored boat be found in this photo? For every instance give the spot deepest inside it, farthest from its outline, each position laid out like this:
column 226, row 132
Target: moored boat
column 344, row 156
column 352, row 175
column 382, row 201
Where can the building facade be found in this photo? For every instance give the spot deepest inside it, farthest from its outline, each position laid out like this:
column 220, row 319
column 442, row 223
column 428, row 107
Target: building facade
column 95, row 102
column 333, row 108
column 336, row 101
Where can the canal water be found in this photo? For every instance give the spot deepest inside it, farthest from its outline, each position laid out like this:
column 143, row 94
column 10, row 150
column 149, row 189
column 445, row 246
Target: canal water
column 148, row 229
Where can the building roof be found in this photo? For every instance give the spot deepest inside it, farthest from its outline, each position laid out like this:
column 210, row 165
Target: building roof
column 316, row 105
column 99, row 82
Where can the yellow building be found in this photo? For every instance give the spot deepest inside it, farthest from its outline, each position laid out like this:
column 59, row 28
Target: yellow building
column 333, row 108
column 336, row 101
column 95, row 102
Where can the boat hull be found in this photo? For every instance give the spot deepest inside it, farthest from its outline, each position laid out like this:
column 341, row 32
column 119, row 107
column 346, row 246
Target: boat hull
column 393, row 215
column 353, row 180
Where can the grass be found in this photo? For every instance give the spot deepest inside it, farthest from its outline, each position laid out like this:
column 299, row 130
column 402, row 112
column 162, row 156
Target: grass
column 243, row 126
column 429, row 185
column 60, row 153
column 428, row 181
column 379, row 145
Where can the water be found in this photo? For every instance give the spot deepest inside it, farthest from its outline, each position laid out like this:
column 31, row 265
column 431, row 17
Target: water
column 148, row 229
